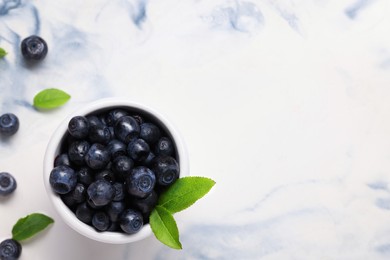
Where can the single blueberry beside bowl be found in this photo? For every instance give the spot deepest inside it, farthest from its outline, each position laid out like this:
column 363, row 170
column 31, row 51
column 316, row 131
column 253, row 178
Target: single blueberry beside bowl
column 63, row 179
column 166, row 169
column 100, row 192
column 34, row 48
column 9, row 124
column 7, row 184
column 97, row 157
column 140, row 182
column 78, row 127
column 126, row 128
column 10, row 249
column 130, row 221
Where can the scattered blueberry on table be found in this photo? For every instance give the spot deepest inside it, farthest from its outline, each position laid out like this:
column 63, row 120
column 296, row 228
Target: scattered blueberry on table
column 9, row 124
column 111, row 168
column 10, row 249
column 34, row 48
column 7, row 184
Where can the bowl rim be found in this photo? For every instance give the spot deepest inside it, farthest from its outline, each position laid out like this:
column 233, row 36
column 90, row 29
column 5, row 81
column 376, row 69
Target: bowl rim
column 53, row 147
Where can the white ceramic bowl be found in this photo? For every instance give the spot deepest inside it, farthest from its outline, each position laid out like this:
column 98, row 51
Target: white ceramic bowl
column 53, row 150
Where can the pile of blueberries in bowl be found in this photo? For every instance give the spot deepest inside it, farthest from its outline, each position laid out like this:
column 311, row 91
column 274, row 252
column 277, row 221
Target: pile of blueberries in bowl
column 106, row 166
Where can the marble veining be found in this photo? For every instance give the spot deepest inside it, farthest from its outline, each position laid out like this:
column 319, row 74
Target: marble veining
column 7, row 5
column 237, row 15
column 353, row 10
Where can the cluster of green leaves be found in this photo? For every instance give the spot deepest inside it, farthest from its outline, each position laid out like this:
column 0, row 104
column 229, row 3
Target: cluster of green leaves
column 181, row 195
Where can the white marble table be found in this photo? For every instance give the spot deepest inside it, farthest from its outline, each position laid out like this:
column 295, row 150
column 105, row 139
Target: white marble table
column 285, row 103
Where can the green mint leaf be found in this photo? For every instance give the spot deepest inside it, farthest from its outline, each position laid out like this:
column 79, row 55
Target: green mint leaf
column 164, row 227
column 2, row 53
column 30, row 225
column 50, row 98
column 184, row 192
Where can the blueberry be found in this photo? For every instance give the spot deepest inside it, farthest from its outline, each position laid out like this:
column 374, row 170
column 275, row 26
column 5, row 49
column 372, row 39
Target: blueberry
column 138, row 149
column 69, row 201
column 122, row 166
column 34, row 48
column 99, row 134
column 149, row 132
column 102, row 118
column 108, row 166
column 9, row 124
column 78, row 127
column 10, row 249
column 101, row 192
column 166, row 169
column 92, row 205
column 63, row 179
column 7, row 184
column 62, row 159
column 112, row 132
column 119, row 191
column 85, row 176
column 116, row 148
column 147, row 204
column 105, row 175
column 149, row 159
column 100, row 221
column 140, row 182
column 126, row 128
column 77, row 151
column 97, row 157
column 164, row 146
column 94, row 120
column 114, row 115
column 130, row 221
column 114, row 227
column 78, row 194
column 84, row 213
column 114, row 209
column 140, row 120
